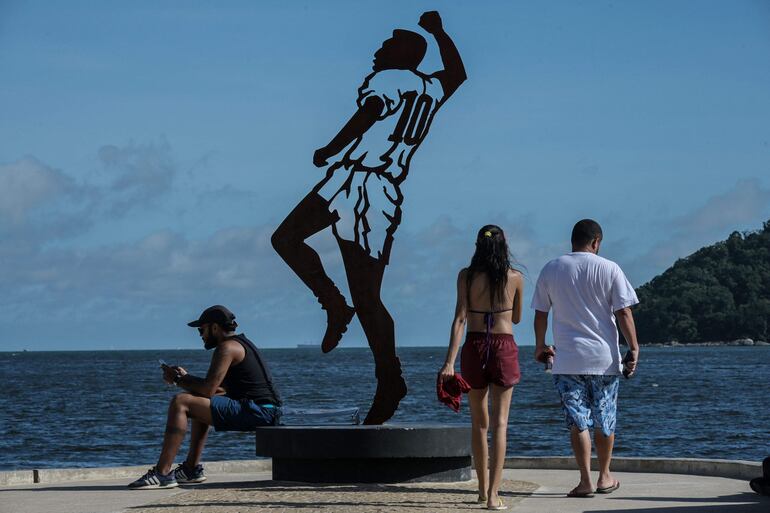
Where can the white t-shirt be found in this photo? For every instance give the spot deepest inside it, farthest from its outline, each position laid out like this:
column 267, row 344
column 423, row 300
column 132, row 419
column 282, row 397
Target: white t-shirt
column 584, row 290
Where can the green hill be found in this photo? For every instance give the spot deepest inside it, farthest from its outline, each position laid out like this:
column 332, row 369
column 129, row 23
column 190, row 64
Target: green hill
column 721, row 292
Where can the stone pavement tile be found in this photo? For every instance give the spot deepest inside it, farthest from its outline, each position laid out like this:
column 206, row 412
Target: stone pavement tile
column 106, row 496
column 641, row 493
column 272, row 496
column 77, row 497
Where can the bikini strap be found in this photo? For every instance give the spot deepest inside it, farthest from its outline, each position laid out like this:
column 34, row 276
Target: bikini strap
column 490, row 311
column 489, row 319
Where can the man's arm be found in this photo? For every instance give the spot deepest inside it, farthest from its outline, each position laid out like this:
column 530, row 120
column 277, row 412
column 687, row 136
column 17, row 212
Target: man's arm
column 626, row 324
column 359, row 123
column 224, row 356
column 541, row 327
column 453, row 73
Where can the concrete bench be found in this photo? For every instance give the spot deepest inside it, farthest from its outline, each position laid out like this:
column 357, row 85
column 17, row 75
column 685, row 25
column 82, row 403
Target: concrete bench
column 391, row 453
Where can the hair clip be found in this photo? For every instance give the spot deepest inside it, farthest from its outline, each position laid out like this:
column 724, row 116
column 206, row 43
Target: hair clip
column 487, row 233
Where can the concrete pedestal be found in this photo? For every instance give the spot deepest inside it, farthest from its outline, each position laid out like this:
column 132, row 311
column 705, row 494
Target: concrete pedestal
column 392, row 453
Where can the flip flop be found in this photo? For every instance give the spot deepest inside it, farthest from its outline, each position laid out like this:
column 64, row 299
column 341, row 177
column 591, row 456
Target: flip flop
column 609, row 489
column 581, row 495
column 500, row 506
column 481, row 500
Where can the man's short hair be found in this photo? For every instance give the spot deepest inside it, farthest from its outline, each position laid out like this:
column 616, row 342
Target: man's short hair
column 584, row 232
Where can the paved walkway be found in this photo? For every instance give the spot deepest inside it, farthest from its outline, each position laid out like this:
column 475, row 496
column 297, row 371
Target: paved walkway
column 523, row 491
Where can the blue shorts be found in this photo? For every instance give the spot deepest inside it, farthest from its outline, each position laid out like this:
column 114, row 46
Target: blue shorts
column 241, row 415
column 588, row 400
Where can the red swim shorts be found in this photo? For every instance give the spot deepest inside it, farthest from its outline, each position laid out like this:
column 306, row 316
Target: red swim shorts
column 501, row 357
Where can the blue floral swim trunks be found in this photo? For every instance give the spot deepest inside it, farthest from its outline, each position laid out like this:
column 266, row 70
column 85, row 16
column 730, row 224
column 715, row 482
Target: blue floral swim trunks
column 588, row 400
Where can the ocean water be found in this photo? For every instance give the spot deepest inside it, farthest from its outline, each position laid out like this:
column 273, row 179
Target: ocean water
column 107, row 408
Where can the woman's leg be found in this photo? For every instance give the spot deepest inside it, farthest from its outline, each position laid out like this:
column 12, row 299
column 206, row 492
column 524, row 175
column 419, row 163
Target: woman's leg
column 479, row 426
column 501, row 405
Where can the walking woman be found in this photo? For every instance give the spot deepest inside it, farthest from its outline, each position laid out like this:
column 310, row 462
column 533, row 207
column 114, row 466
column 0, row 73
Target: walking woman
column 489, row 296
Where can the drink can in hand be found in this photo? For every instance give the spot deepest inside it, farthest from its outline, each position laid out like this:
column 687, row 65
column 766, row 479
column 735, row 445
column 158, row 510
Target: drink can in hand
column 549, row 364
column 628, row 358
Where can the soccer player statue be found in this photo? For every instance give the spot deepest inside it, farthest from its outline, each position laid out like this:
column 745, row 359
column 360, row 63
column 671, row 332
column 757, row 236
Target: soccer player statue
column 360, row 196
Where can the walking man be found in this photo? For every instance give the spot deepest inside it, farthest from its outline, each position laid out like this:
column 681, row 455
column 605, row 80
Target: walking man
column 360, row 196
column 590, row 298
column 237, row 394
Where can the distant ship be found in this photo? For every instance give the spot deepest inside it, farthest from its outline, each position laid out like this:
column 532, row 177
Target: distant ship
column 307, row 346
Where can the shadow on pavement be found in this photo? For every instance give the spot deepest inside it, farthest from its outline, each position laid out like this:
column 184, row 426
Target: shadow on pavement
column 746, row 502
column 288, row 486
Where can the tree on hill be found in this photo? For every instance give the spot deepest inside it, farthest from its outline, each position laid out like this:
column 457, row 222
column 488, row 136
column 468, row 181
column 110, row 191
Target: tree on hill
column 720, row 292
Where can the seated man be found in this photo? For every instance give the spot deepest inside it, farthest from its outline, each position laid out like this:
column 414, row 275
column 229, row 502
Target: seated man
column 237, row 394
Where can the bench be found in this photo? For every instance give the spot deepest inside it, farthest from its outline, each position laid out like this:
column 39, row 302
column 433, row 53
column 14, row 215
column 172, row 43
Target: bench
column 390, row 453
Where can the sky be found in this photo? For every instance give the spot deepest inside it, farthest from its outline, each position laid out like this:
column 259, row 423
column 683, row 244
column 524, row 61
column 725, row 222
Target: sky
column 148, row 150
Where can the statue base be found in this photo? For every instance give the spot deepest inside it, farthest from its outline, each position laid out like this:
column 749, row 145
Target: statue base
column 390, row 453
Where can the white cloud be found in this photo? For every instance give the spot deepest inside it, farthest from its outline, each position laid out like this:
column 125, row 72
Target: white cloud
column 138, row 174
column 744, row 207
column 28, row 184
column 167, row 275
column 40, row 204
column 740, row 206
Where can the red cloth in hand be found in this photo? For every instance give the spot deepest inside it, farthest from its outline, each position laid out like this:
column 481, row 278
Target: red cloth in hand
column 450, row 391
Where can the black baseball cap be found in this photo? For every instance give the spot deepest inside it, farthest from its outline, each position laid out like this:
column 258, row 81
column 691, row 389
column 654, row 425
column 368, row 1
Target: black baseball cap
column 217, row 314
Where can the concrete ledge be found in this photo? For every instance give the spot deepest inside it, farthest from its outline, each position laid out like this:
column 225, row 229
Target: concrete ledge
column 54, row 475
column 16, row 477
column 734, row 469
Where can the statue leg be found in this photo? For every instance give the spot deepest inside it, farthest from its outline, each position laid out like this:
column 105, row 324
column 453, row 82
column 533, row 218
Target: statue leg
column 365, row 275
column 308, row 218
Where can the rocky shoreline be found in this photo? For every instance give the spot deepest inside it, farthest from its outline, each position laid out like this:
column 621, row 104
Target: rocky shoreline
column 741, row 342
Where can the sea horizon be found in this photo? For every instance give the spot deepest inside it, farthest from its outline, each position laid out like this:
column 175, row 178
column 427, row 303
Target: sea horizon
column 307, row 346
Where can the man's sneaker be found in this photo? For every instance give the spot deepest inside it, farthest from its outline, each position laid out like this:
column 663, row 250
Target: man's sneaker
column 154, row 479
column 185, row 475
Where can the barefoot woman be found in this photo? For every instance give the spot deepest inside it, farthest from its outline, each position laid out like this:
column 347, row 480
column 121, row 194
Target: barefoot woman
column 489, row 293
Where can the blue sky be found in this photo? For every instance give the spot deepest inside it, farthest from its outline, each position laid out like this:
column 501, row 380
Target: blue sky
column 148, row 150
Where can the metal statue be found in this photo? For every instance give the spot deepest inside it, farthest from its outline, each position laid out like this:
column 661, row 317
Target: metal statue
column 360, row 196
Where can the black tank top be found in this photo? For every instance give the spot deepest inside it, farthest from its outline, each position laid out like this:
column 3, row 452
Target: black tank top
column 250, row 379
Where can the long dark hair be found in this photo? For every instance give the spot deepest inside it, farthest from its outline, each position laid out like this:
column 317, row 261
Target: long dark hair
column 492, row 258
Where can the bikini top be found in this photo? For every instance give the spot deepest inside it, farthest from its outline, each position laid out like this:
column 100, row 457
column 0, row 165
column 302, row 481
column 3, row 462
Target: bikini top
column 489, row 318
